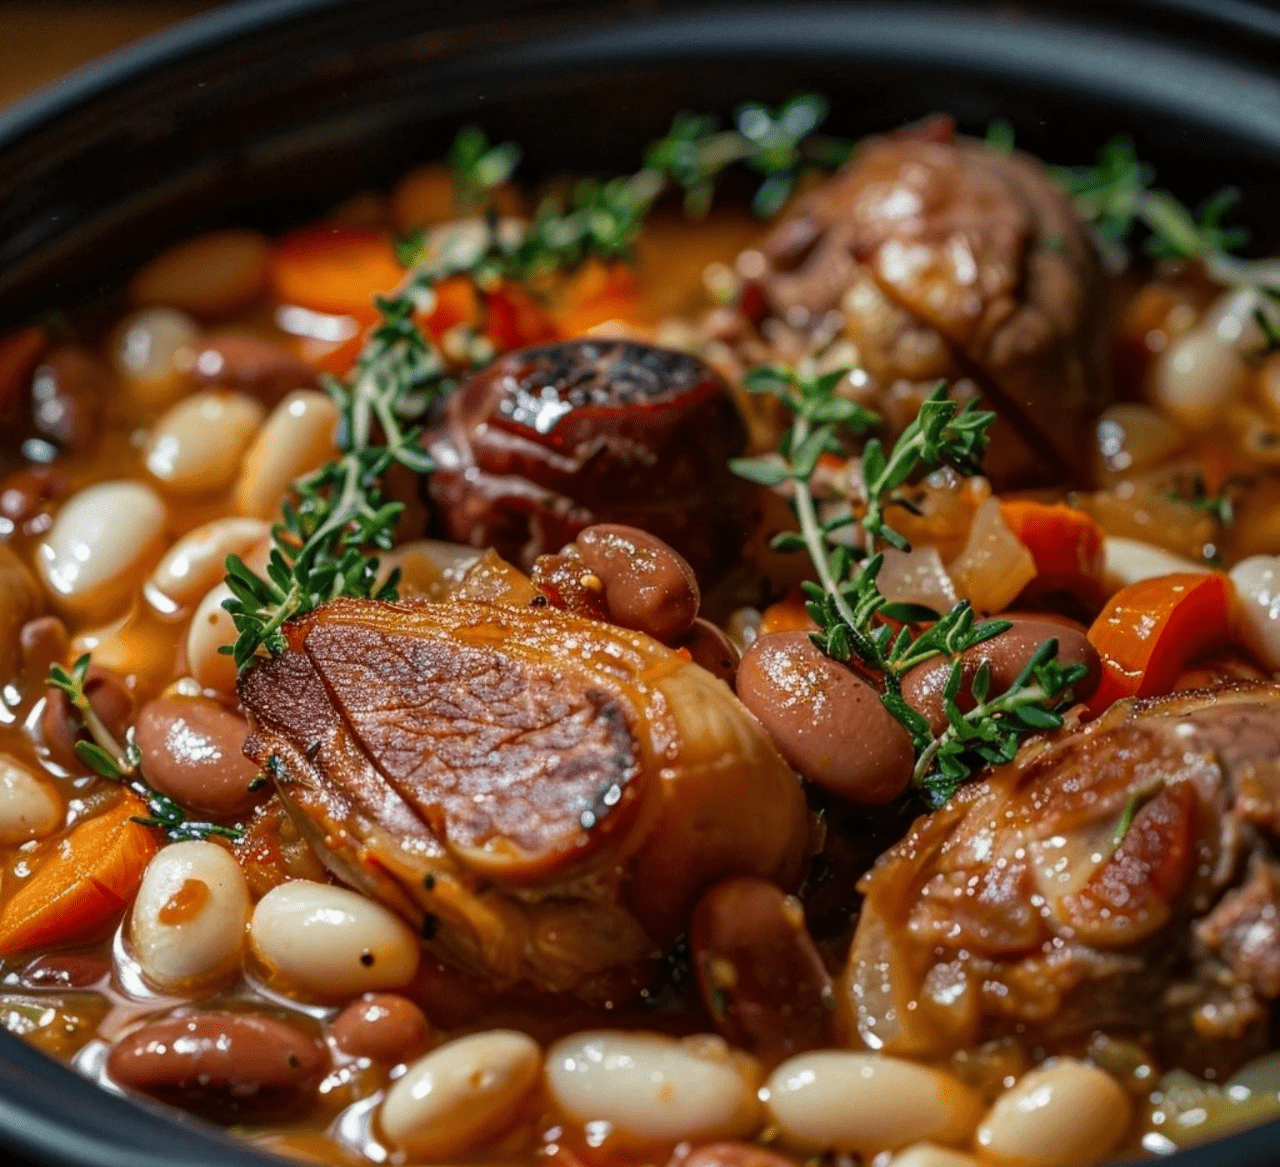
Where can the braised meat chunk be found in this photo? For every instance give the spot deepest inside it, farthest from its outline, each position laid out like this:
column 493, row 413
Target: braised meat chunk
column 1118, row 878
column 947, row 258
column 547, row 441
column 542, row 794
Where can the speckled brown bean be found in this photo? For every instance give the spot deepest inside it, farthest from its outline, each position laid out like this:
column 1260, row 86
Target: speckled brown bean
column 251, row 364
column 711, row 648
column 192, row 750
column 761, row 977
column 1005, row 655
column 111, row 701
column 382, row 1027
column 44, row 642
column 735, row 1155
column 826, row 721
column 240, row 1059
column 648, row 586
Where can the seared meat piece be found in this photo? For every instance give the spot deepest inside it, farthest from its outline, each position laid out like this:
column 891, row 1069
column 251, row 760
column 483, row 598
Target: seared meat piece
column 545, row 796
column 1031, row 902
column 547, row 441
column 950, row 259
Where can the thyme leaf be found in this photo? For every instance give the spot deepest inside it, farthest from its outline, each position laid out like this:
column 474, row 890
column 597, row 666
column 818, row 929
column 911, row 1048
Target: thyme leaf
column 854, row 618
column 109, row 759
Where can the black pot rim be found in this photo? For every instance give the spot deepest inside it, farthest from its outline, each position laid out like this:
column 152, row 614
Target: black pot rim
column 56, row 1117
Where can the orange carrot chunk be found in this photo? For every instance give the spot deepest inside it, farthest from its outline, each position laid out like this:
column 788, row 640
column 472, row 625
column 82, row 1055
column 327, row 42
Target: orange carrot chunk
column 82, row 882
column 333, row 268
column 1151, row 629
column 787, row 615
column 1065, row 543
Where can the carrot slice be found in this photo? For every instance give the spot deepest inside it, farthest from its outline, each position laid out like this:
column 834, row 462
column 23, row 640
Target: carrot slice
column 1149, row 630
column 79, row 888
column 333, row 268
column 598, row 293
column 1066, row 544
column 787, row 615
column 19, row 352
column 457, row 302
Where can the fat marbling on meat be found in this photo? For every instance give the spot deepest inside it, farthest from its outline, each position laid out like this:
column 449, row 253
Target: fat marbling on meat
column 1116, row 877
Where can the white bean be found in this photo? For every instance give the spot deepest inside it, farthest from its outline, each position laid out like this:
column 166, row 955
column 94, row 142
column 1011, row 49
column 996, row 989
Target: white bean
column 211, row 627
column 458, row 1097
column 154, row 351
column 297, row 437
column 1062, row 1114
column 188, row 918
column 30, row 807
column 1231, row 319
column 197, row 445
column 652, row 1087
column 1133, row 437
column 209, row 275
column 100, row 542
column 931, row 1155
column 1257, row 581
column 1128, row 561
column 327, row 942
column 429, row 567
column 867, row 1103
column 1196, row 377
column 194, row 563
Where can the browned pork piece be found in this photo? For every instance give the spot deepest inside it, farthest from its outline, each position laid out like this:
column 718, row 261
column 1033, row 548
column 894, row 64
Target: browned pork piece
column 947, row 258
column 544, row 795
column 1119, row 878
column 547, row 441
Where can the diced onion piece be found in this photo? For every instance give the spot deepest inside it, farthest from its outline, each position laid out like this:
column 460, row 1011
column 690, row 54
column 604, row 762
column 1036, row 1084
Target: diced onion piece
column 994, row 565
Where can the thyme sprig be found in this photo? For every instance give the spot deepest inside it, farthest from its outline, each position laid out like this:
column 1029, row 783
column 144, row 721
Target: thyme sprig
column 854, row 618
column 1220, row 507
column 776, row 143
column 123, row 763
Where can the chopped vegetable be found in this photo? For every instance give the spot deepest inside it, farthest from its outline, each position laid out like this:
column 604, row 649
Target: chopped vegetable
column 1065, row 543
column 82, row 882
column 1151, row 629
column 336, row 269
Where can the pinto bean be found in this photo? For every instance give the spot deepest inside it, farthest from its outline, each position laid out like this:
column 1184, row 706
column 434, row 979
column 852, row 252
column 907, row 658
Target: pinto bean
column 761, row 976
column 382, row 1027
column 218, row 1059
column 60, row 723
column 44, row 642
column 712, row 649
column 191, row 747
column 1005, row 655
column 827, row 722
column 648, row 586
column 266, row 370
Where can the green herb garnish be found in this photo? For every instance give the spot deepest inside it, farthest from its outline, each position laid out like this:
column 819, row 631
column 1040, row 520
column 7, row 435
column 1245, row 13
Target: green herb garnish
column 123, row 763
column 851, row 612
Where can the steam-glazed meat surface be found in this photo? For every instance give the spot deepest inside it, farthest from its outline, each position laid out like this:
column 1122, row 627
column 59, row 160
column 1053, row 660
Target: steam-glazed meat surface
column 549, row 440
column 1117, row 878
column 490, row 770
column 951, row 259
